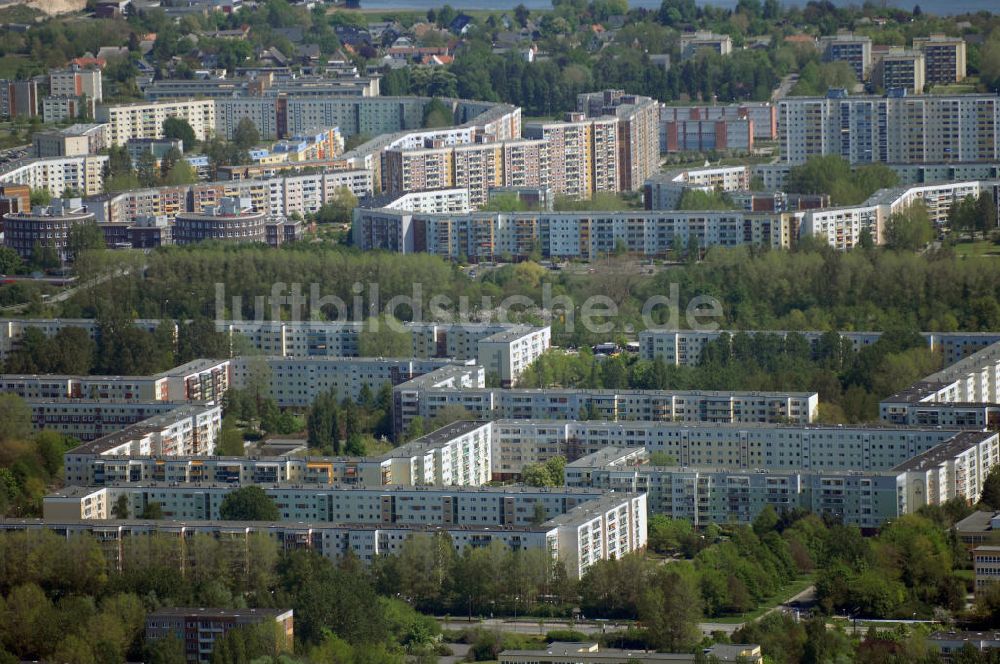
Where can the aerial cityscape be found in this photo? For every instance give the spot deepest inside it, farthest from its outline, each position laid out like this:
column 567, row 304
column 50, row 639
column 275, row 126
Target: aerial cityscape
column 582, row 332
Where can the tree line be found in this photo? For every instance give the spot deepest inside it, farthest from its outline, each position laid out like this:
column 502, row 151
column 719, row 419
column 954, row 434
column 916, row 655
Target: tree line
column 810, row 288
column 850, row 382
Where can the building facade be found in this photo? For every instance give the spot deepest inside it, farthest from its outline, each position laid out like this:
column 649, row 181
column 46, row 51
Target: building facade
column 894, row 129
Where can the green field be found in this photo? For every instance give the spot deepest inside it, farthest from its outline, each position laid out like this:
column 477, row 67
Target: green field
column 978, row 248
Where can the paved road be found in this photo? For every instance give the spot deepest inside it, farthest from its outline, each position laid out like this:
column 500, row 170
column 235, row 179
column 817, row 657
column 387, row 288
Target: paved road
column 539, row 627
column 786, row 85
column 533, row 627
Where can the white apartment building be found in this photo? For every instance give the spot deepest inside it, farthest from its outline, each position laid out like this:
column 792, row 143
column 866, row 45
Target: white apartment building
column 453, row 386
column 693, row 43
column 855, row 50
column 894, row 129
column 970, row 382
column 638, row 135
column 185, row 430
column 508, row 353
column 986, row 566
column 145, row 119
column 64, row 109
column 746, row 446
column 685, row 347
column 488, row 236
column 83, row 174
column 456, row 455
column 955, row 469
column 423, row 505
column 297, row 381
column 77, row 82
column 582, row 153
column 76, row 141
column 87, row 419
column 706, row 494
column 614, row 532
column 198, row 380
column 854, row 493
column 502, row 349
column 663, row 191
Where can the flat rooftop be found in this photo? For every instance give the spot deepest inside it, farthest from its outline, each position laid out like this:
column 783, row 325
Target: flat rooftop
column 152, row 424
column 944, row 451
column 738, row 426
column 434, row 439
column 392, row 488
column 977, row 522
column 212, row 612
column 112, row 525
column 605, row 457
column 194, row 366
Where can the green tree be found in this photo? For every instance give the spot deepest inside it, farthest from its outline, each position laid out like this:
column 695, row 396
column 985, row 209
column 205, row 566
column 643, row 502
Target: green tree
column 181, row 172
column 323, row 423
column 179, row 128
column 40, row 197
column 416, row 428
column 990, row 496
column 120, row 509
column 246, row 135
column 230, row 438
column 437, row 114
column 447, row 415
column 694, row 199
column 670, row 609
column 10, row 261
column 249, row 503
column 327, row 598
column 15, row 418
column 166, row 650
column 83, row 237
column 339, row 208
column 910, row 229
column 153, row 511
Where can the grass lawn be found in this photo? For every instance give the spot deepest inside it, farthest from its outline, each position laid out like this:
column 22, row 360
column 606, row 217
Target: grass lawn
column 977, row 248
column 784, row 593
column 968, row 85
column 9, row 65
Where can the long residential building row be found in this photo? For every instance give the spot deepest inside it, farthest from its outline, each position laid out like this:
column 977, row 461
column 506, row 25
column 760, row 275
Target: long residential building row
column 455, row 455
column 609, row 145
column 277, row 117
column 465, row 387
column 471, row 453
column 198, row 380
column 741, row 445
column 585, row 528
column 487, row 236
column 862, row 475
column 954, row 469
column 892, row 129
column 659, row 230
column 503, row 350
column 264, row 85
column 842, row 227
column 967, row 392
column 297, row 381
column 685, row 347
